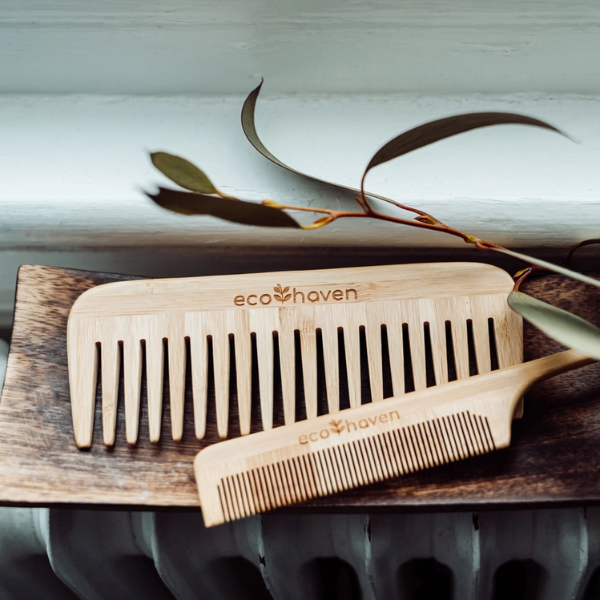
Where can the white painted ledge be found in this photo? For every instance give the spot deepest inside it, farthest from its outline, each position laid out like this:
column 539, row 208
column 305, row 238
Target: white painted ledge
column 72, row 168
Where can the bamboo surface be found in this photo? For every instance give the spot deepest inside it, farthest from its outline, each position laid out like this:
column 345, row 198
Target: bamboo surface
column 367, row 444
column 402, row 311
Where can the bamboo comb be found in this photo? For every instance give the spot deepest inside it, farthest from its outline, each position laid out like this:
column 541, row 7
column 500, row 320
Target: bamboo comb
column 373, row 442
column 412, row 302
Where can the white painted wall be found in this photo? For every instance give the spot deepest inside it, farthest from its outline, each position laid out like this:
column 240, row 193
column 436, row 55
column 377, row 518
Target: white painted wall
column 340, row 46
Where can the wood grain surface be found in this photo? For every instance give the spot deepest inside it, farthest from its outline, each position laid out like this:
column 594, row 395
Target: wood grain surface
column 553, row 458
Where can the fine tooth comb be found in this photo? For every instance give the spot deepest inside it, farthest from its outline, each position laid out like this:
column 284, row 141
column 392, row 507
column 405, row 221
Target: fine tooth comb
column 373, row 442
column 413, row 302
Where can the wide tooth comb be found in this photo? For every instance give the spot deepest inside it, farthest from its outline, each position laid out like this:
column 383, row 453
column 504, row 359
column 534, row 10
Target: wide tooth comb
column 151, row 323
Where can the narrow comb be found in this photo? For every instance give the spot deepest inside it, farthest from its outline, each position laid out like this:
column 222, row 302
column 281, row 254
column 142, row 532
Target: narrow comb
column 442, row 424
column 136, row 321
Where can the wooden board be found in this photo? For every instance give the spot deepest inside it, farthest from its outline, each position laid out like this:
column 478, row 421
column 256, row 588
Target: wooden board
column 553, row 458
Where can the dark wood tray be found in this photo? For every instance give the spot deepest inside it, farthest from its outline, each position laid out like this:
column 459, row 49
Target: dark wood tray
column 554, row 458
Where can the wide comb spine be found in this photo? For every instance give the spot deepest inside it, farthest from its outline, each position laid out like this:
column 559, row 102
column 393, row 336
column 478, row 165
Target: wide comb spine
column 82, row 338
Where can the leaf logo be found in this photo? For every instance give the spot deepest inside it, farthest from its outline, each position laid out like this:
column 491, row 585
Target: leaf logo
column 336, row 426
column 281, row 294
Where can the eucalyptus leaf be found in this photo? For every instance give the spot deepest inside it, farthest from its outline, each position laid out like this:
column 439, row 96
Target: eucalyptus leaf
column 580, row 245
column 236, row 211
column 563, row 326
column 249, row 127
column 435, row 131
column 550, row 266
column 183, row 172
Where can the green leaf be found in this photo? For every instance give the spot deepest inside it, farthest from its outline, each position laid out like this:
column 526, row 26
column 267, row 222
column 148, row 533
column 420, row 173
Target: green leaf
column 406, row 142
column 249, row 127
column 236, row 211
column 183, row 172
column 434, row 131
column 550, row 266
column 563, row 326
column 577, row 246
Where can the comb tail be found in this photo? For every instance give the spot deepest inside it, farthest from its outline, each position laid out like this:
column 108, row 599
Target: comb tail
column 369, row 443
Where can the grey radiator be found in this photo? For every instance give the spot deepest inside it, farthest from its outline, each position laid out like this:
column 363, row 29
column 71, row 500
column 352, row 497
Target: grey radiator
column 110, row 555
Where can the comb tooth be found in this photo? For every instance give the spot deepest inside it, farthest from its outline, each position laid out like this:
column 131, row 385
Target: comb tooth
column 481, row 336
column 352, row 320
column 243, row 367
column 459, row 312
column 264, row 323
column 416, row 337
column 176, row 348
column 417, row 354
column 431, row 312
column 132, row 362
column 199, row 362
column 352, row 351
column 195, row 331
column 375, row 360
column 393, row 320
column 437, row 335
column 308, row 342
column 508, row 333
column 460, row 344
column 331, row 361
column 287, row 362
column 220, row 348
column 154, row 381
column 83, row 373
column 482, row 346
column 111, row 359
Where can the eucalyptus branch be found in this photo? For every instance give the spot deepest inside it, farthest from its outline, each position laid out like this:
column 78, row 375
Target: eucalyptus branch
column 203, row 198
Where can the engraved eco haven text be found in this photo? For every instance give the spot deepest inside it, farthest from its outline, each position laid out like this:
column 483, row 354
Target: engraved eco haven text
column 283, row 295
column 345, row 426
